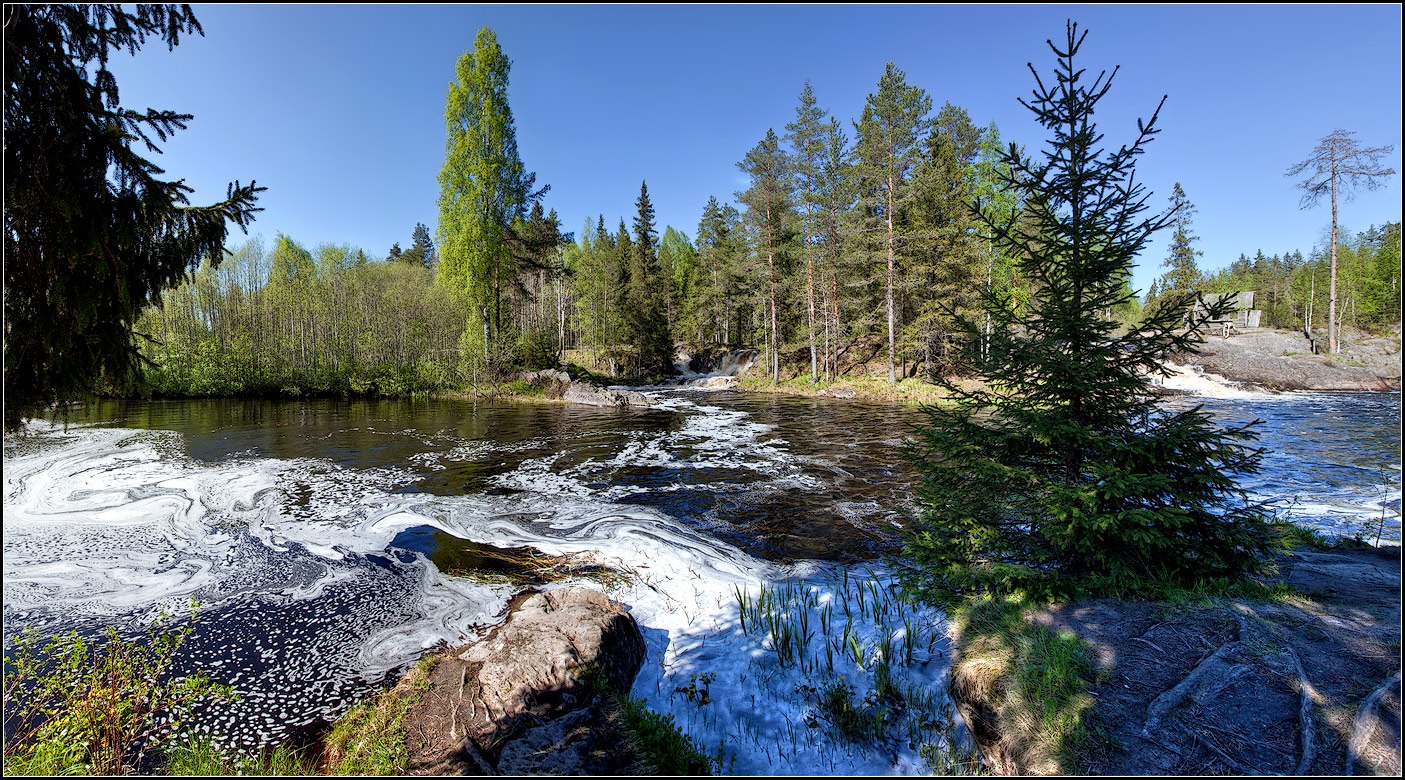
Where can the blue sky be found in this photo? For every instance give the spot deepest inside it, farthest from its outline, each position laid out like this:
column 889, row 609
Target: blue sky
column 338, row 110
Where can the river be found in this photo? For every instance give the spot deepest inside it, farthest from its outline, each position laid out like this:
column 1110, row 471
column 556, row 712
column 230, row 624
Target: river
column 317, row 537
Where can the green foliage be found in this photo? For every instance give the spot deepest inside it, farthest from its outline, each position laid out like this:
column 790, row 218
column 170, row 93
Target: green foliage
column 294, row 322
column 658, row 742
column 770, row 217
column 1183, row 276
column 890, row 131
column 77, row 706
column 646, row 296
column 201, row 757
column 91, row 233
column 483, row 187
column 1063, row 471
column 1292, row 289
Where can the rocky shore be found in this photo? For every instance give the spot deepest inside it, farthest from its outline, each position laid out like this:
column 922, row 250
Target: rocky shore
column 1283, row 360
column 1304, row 684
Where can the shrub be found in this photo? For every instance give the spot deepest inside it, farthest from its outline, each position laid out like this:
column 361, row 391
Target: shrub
column 74, row 706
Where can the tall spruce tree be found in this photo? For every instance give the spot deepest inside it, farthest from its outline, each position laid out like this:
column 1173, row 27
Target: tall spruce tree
column 1183, row 276
column 92, row 234
column 648, row 319
column 1065, row 472
column 945, row 251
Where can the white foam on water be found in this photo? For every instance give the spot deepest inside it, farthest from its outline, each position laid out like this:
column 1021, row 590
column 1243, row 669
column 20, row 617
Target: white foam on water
column 106, row 526
column 1195, row 381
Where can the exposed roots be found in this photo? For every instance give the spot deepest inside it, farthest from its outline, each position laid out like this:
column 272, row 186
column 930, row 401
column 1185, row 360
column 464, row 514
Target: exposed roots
column 1307, row 728
column 1366, row 722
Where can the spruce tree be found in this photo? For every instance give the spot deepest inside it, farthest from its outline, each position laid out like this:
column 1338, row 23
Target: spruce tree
column 1184, row 275
column 1064, row 472
column 92, row 234
column 653, row 343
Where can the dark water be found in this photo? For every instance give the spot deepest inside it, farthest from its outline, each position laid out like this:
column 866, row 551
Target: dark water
column 323, row 539
column 782, row 478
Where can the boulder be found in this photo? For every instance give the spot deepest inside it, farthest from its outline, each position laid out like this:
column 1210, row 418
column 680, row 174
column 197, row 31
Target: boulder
column 520, row 680
column 590, row 394
column 553, row 381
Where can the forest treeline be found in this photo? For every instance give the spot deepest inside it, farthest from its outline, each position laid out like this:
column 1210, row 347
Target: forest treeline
column 1290, row 289
column 854, row 244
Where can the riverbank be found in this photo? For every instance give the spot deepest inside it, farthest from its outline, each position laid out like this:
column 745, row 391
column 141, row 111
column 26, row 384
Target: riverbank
column 1306, row 681
column 1283, row 360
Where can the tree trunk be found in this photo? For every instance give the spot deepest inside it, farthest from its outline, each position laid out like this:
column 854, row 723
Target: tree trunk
column 1332, row 346
column 892, row 323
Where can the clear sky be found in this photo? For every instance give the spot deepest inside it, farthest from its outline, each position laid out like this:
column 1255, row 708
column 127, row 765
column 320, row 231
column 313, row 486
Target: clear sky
column 338, row 110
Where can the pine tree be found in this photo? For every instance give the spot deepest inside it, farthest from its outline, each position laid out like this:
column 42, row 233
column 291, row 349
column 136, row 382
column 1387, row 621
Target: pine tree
column 92, row 235
column 890, row 132
column 806, row 136
column 1064, row 472
column 768, row 211
column 420, row 239
column 1338, row 166
column 837, row 195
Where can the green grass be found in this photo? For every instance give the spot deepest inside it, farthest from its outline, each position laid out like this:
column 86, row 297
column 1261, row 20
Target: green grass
column 1034, row 678
column 370, row 738
column 660, row 746
column 96, row 706
column 200, row 757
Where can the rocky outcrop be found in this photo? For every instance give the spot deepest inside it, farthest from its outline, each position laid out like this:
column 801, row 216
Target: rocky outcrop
column 558, row 384
column 1301, row 685
column 527, row 689
column 591, row 394
column 1283, row 360
column 552, row 381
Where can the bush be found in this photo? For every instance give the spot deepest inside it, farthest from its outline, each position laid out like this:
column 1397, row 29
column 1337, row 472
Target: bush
column 77, row 707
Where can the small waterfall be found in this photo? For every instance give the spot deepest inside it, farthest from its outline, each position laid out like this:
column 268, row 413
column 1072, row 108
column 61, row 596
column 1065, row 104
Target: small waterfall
column 713, row 370
column 1192, row 380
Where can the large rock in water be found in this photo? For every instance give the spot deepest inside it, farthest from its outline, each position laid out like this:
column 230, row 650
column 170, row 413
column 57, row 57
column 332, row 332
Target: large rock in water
column 528, row 679
column 580, row 392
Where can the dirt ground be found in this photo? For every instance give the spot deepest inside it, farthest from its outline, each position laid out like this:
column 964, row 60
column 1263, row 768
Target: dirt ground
column 1310, row 685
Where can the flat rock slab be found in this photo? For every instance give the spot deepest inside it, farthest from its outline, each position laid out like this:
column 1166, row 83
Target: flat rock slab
column 1282, row 360
column 1302, row 686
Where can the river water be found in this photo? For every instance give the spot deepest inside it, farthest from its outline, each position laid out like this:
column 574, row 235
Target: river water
column 312, row 534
